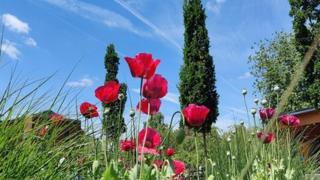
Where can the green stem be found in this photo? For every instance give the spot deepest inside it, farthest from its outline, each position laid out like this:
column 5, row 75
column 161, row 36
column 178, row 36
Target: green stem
column 167, row 137
column 195, row 143
column 205, row 152
column 144, row 141
column 139, row 121
column 94, row 141
column 245, row 104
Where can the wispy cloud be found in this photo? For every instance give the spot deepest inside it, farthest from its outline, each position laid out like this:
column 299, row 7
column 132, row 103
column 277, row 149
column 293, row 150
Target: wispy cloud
column 10, row 49
column 246, row 75
column 148, row 23
column 215, row 5
column 98, row 14
column 30, row 42
column 170, row 97
column 15, row 24
column 84, row 82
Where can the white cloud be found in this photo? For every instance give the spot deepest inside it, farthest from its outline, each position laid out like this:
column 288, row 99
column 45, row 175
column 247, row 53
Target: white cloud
column 246, row 75
column 15, row 24
column 84, row 82
column 98, row 14
column 148, row 23
column 170, row 97
column 30, row 42
column 215, row 5
column 10, row 49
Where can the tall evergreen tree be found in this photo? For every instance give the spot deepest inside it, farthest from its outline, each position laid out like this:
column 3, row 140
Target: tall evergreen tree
column 306, row 24
column 197, row 75
column 114, row 122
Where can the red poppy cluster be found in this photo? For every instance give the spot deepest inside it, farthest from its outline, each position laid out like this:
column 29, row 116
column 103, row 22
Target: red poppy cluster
column 289, row 120
column 266, row 138
column 154, row 86
column 266, row 114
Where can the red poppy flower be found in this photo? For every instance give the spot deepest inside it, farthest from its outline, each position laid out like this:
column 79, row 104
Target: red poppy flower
column 142, row 65
column 56, row 118
column 108, row 93
column 195, row 115
column 159, row 163
column 154, row 106
column 179, row 167
column 43, row 131
column 266, row 138
column 146, row 150
column 289, row 120
column 153, row 140
column 88, row 110
column 170, row 152
column 127, row 145
column 156, row 87
column 266, row 114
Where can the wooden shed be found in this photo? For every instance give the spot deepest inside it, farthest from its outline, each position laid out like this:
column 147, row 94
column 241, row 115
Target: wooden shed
column 71, row 127
column 309, row 129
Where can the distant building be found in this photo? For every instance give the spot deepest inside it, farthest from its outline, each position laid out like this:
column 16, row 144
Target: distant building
column 71, row 128
column 309, row 130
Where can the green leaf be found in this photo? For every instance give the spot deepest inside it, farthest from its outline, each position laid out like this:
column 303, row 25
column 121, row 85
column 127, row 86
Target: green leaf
column 180, row 136
column 133, row 173
column 110, row 173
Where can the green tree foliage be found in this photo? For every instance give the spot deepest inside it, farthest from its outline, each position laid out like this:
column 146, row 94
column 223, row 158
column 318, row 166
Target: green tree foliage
column 114, row 122
column 306, row 24
column 197, row 75
column 273, row 64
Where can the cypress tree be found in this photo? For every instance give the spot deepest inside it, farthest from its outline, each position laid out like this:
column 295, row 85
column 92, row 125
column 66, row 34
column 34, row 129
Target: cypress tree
column 113, row 112
column 197, row 75
column 306, row 24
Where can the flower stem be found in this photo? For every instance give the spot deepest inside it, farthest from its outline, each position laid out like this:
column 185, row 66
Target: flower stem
column 205, row 152
column 139, row 121
column 195, row 143
column 94, row 141
column 245, row 104
column 144, row 140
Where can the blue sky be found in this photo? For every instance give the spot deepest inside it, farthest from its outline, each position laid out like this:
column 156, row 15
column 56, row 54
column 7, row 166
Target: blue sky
column 47, row 36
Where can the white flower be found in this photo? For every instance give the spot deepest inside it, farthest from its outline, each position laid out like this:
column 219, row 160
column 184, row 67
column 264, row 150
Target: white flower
column 253, row 111
column 228, row 139
column 95, row 166
column 106, row 110
column 233, row 157
column 214, row 164
column 244, row 92
column 233, row 131
column 132, row 113
column 241, row 123
column 228, row 153
column 264, row 102
column 121, row 96
column 276, row 88
column 256, row 100
column 61, row 161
